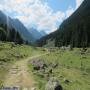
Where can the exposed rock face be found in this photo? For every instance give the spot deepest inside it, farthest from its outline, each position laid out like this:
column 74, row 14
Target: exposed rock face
column 53, row 84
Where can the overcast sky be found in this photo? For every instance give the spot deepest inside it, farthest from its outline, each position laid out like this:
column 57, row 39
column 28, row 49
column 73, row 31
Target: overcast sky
column 42, row 14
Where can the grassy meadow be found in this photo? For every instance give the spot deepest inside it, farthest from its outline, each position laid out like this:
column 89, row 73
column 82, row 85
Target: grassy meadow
column 72, row 71
column 10, row 53
column 72, row 68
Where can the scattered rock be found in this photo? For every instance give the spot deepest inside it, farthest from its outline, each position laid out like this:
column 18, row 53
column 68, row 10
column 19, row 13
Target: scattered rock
column 53, row 84
column 38, row 64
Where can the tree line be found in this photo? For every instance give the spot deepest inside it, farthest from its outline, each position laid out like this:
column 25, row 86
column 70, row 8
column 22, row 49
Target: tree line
column 74, row 31
column 10, row 34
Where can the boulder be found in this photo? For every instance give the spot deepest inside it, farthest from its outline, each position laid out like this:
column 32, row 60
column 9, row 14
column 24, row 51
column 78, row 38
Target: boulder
column 38, row 64
column 53, row 84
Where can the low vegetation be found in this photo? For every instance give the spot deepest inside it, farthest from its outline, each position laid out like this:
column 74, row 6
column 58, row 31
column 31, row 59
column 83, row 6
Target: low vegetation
column 70, row 67
column 10, row 53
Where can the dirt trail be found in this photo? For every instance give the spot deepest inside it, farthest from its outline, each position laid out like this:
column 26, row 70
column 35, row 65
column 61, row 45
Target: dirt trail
column 19, row 75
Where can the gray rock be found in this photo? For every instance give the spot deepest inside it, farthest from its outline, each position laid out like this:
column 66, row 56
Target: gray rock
column 38, row 64
column 53, row 84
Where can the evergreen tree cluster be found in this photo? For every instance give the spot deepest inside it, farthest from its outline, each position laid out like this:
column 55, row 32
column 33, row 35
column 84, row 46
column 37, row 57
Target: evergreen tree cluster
column 11, row 35
column 74, row 31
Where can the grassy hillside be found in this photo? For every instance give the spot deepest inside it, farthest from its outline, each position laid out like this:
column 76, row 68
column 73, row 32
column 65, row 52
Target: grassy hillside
column 10, row 53
column 72, row 71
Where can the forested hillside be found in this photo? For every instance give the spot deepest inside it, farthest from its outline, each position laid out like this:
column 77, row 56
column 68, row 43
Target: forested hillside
column 74, row 31
column 10, row 35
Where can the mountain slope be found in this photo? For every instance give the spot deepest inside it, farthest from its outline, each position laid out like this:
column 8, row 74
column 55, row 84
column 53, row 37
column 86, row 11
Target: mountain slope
column 16, row 25
column 36, row 34
column 43, row 33
column 27, row 36
column 74, row 31
column 8, row 33
column 2, row 17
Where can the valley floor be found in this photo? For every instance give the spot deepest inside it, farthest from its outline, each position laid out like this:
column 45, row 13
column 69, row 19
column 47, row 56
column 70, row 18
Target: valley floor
column 70, row 67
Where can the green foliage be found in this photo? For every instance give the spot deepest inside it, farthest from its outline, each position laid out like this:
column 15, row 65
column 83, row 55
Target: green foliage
column 74, row 31
column 10, row 54
column 72, row 66
column 11, row 35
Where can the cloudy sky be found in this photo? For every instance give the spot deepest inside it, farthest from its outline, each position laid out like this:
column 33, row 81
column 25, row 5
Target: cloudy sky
column 41, row 14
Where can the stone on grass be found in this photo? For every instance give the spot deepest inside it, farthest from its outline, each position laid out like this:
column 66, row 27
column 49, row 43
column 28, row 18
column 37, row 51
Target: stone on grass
column 53, row 84
column 38, row 64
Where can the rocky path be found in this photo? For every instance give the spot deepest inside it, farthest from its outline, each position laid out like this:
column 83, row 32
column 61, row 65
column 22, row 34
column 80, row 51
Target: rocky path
column 19, row 76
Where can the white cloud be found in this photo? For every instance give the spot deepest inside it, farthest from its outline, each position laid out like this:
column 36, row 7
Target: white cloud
column 78, row 3
column 69, row 11
column 36, row 13
column 33, row 12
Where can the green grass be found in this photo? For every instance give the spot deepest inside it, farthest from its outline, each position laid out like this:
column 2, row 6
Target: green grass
column 9, row 55
column 71, row 66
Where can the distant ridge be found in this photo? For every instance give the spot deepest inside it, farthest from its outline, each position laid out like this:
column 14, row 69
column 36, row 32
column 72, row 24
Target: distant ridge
column 36, row 34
